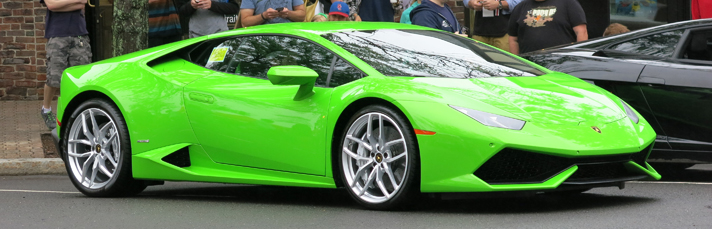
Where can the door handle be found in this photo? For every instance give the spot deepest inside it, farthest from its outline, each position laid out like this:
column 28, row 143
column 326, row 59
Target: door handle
column 203, row 98
column 651, row 80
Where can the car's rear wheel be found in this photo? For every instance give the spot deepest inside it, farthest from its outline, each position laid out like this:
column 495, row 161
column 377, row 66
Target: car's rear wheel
column 379, row 158
column 98, row 151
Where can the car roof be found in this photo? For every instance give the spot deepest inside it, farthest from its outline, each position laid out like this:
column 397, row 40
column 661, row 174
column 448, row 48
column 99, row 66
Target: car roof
column 318, row 28
column 641, row 32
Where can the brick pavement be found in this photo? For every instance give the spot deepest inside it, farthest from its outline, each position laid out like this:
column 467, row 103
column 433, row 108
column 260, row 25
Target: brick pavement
column 21, row 149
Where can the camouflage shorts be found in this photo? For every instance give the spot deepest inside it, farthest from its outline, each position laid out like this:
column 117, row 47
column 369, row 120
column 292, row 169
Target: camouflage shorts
column 64, row 52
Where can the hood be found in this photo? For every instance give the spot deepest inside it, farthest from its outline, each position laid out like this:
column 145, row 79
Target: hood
column 554, row 98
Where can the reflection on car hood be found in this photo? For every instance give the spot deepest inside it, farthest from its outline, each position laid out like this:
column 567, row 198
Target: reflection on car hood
column 554, row 98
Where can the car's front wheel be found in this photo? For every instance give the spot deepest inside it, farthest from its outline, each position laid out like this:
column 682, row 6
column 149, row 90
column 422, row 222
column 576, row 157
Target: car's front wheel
column 379, row 158
column 98, row 151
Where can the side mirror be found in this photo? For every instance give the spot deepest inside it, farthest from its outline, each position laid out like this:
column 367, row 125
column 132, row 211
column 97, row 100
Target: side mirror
column 294, row 75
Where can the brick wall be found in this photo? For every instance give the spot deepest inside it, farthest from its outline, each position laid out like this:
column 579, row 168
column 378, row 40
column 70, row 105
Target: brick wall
column 459, row 9
column 22, row 50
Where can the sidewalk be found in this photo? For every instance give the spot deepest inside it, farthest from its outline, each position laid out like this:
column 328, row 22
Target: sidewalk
column 21, row 148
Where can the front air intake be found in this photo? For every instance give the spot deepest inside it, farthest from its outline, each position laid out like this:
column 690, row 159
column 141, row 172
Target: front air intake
column 518, row 166
column 514, row 166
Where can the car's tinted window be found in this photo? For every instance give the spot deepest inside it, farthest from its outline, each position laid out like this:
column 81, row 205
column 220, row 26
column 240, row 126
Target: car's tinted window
column 220, row 58
column 699, row 46
column 661, row 44
column 344, row 73
column 429, row 53
column 253, row 56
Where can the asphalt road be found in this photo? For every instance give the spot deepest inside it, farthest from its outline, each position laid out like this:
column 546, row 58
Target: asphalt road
column 682, row 200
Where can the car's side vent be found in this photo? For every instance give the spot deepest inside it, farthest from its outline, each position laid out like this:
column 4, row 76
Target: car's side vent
column 180, row 158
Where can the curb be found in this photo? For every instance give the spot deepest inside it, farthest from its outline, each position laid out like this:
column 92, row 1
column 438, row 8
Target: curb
column 32, row 166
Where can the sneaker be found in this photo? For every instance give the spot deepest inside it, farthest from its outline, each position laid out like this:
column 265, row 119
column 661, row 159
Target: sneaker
column 49, row 119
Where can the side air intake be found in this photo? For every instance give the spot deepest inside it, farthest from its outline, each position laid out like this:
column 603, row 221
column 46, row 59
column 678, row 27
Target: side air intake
column 180, row 158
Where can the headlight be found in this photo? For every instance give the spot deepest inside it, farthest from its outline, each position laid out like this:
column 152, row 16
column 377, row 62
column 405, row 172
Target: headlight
column 493, row 120
column 631, row 114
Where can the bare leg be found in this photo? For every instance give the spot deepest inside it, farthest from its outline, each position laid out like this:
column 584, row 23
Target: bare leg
column 48, row 95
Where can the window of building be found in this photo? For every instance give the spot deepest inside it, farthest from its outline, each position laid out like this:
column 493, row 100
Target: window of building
column 637, row 14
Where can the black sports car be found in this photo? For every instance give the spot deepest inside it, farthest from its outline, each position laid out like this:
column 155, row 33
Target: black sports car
column 664, row 72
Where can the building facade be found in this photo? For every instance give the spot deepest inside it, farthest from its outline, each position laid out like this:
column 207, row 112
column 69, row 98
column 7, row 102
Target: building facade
column 22, row 50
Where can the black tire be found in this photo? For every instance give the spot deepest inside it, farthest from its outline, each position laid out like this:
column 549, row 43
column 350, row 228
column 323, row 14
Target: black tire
column 409, row 172
column 121, row 183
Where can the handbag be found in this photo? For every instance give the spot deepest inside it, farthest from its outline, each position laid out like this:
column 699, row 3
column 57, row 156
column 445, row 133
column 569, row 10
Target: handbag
column 311, row 9
column 238, row 22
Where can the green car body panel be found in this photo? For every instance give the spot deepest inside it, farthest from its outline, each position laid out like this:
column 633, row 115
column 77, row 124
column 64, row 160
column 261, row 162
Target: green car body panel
column 247, row 130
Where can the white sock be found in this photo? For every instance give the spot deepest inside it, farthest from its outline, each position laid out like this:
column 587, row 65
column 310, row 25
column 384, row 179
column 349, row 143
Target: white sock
column 46, row 110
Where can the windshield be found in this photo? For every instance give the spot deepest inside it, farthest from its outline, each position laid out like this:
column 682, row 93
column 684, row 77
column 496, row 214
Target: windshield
column 430, row 54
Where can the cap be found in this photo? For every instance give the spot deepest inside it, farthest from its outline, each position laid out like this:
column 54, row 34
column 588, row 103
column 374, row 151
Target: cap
column 339, row 8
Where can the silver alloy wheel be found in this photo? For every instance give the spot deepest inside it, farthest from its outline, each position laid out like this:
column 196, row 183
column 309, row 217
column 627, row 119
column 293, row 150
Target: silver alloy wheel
column 93, row 148
column 374, row 157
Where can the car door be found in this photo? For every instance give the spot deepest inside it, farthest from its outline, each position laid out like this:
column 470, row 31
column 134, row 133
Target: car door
column 642, row 51
column 679, row 91
column 240, row 118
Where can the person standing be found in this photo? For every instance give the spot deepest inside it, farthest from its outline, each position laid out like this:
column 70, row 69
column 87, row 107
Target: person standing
column 208, row 16
column 701, row 9
column 67, row 46
column 258, row 12
column 615, row 28
column 339, row 11
column 491, row 28
column 435, row 14
column 405, row 17
column 378, row 10
column 538, row 24
column 163, row 23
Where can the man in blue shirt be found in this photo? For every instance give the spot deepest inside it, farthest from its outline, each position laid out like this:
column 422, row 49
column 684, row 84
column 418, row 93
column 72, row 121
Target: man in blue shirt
column 435, row 14
column 67, row 46
column 492, row 28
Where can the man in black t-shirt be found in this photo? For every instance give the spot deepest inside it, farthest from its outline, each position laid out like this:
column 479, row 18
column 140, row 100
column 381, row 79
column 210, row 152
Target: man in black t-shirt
column 545, row 23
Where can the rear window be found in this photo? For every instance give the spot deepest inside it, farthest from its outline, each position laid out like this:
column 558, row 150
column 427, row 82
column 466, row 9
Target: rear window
column 429, row 54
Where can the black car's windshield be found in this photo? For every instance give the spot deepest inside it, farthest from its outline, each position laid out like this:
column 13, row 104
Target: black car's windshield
column 429, row 53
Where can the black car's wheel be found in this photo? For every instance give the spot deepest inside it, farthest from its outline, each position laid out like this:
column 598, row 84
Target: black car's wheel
column 379, row 159
column 98, row 151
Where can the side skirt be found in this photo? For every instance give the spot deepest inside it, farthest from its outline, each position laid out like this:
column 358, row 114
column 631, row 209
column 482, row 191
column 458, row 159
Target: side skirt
column 152, row 166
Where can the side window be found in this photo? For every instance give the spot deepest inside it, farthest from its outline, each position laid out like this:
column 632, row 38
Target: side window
column 660, row 45
column 344, row 73
column 257, row 54
column 699, row 46
column 221, row 56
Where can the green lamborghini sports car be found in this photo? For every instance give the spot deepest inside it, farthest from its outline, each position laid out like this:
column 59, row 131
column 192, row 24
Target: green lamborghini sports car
column 386, row 111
